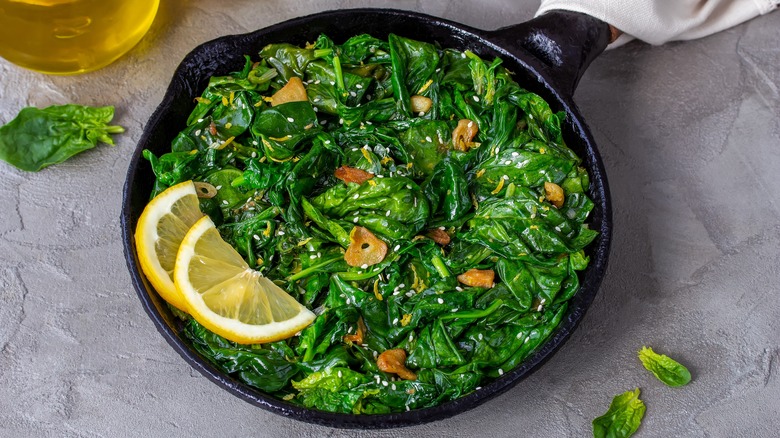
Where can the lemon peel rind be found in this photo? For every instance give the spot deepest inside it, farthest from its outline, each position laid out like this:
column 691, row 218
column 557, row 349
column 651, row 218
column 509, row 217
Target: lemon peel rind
column 145, row 238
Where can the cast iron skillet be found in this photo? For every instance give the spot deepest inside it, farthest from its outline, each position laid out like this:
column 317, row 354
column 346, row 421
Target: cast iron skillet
column 548, row 55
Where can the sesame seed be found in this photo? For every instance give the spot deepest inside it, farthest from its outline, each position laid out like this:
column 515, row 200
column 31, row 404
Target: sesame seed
column 341, row 121
column 312, row 256
column 500, row 372
column 480, row 336
column 254, row 154
column 353, row 94
column 514, row 154
column 319, row 254
column 332, row 82
column 225, row 202
column 528, row 338
column 470, row 124
column 326, row 142
column 256, row 237
column 441, row 301
column 384, row 383
column 323, row 122
column 396, row 293
column 387, row 213
column 356, row 219
column 397, row 247
column 519, row 335
column 407, row 408
column 428, row 139
column 505, row 177
column 539, row 309
column 462, row 54
column 478, row 388
column 356, row 196
column 280, row 233
column 218, row 187
column 197, row 132
column 458, row 288
column 395, row 321
column 200, row 120
column 476, row 98
column 316, row 110
column 411, row 337
column 401, row 286
column 410, row 294
column 290, row 119
column 317, row 82
column 364, row 266
column 508, row 162
column 454, row 310
column 375, row 354
column 392, row 386
column 339, row 373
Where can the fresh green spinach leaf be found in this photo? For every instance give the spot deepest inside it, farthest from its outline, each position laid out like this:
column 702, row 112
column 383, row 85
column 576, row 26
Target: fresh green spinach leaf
column 664, row 367
column 38, row 138
column 622, row 418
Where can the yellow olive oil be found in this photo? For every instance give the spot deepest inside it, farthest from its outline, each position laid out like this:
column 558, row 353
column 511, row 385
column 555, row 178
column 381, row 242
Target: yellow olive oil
column 71, row 36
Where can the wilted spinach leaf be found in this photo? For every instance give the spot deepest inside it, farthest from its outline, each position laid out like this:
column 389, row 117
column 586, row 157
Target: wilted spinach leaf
column 440, row 210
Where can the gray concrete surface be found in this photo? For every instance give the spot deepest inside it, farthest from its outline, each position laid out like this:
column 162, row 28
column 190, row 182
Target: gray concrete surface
column 690, row 135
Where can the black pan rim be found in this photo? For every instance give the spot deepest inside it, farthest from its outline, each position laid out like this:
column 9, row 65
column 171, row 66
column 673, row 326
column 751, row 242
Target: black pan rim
column 595, row 271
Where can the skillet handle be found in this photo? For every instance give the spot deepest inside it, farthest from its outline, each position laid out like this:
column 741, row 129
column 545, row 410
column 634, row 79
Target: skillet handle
column 566, row 42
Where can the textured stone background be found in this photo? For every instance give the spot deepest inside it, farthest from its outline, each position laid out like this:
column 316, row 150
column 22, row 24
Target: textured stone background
column 690, row 135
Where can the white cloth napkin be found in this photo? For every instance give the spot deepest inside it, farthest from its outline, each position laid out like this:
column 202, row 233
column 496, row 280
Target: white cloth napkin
column 660, row 21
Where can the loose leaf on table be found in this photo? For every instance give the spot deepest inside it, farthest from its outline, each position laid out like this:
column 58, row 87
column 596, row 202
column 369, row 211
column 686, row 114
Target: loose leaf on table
column 622, row 418
column 38, row 138
column 664, row 367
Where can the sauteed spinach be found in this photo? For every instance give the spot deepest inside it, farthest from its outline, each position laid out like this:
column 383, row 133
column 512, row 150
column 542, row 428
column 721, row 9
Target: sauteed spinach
column 472, row 209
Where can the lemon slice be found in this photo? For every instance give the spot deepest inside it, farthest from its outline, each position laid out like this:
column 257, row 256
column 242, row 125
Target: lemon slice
column 228, row 297
column 161, row 227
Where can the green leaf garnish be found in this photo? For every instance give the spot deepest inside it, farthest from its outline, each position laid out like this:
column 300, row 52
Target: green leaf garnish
column 665, row 368
column 38, row 138
column 622, row 418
